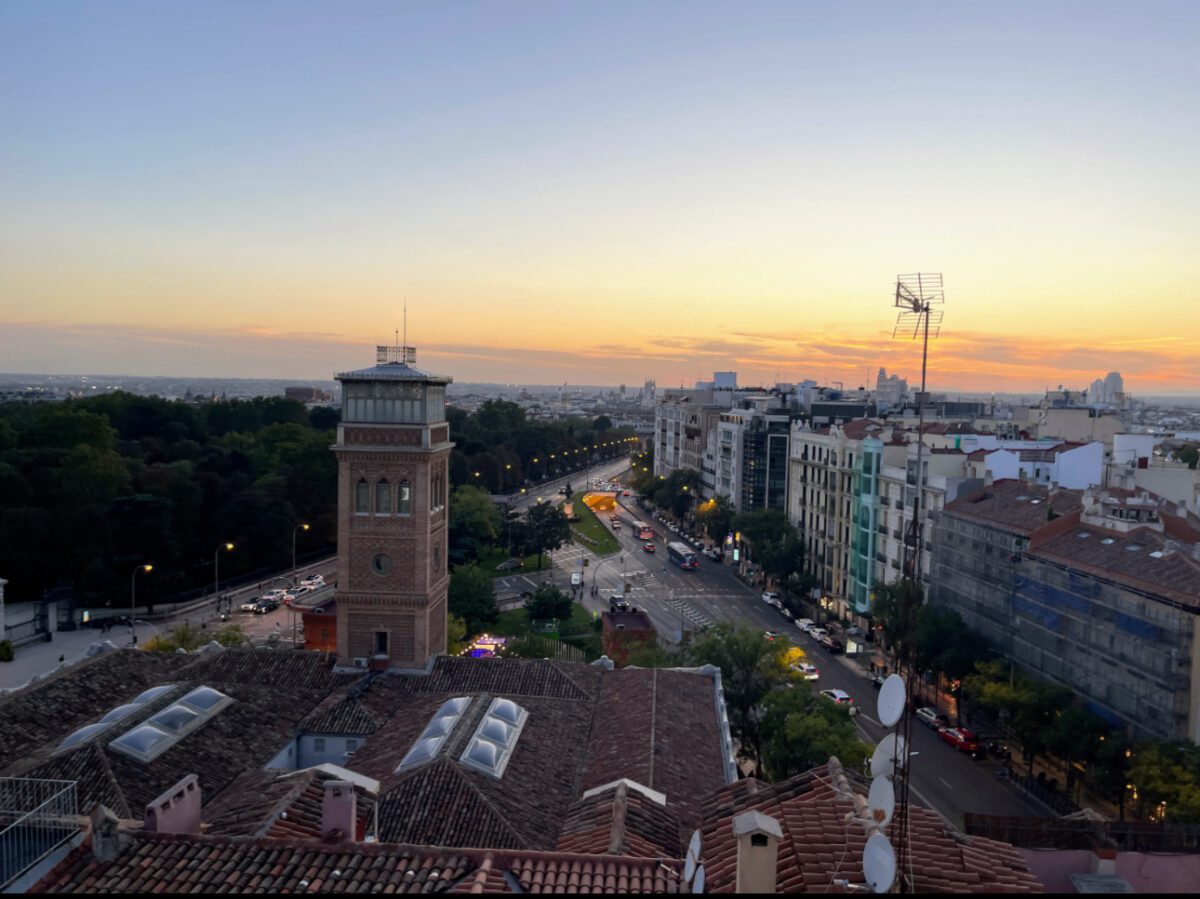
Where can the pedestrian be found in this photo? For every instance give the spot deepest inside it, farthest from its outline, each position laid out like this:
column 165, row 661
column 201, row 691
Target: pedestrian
column 61, row 659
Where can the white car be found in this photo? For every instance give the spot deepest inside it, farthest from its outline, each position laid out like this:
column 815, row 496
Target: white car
column 315, row 582
column 249, row 605
column 807, row 671
column 805, row 624
column 300, row 589
column 772, row 598
column 817, row 632
column 838, row 696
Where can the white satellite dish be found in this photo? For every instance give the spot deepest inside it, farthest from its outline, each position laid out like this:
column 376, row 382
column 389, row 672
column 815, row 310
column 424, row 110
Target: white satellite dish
column 882, row 800
column 884, row 759
column 698, row 883
column 891, row 700
column 879, row 863
column 692, row 858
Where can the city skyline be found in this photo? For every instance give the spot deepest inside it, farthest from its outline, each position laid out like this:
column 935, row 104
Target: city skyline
column 592, row 195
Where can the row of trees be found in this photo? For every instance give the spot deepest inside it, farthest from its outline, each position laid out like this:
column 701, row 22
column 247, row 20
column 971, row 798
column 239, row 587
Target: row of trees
column 91, row 488
column 500, row 450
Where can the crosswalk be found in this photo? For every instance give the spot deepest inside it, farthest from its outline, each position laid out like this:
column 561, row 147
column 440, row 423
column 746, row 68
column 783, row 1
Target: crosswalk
column 688, row 611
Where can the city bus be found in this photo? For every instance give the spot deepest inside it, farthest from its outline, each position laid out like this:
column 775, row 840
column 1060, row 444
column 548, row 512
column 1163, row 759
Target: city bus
column 682, row 555
column 643, row 531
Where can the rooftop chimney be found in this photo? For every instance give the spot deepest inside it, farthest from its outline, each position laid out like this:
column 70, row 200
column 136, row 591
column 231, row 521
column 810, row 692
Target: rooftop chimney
column 339, row 810
column 177, row 810
column 106, row 834
column 758, row 837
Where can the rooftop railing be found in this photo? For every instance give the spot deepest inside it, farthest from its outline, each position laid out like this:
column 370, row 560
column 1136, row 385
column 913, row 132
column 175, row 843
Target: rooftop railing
column 36, row 817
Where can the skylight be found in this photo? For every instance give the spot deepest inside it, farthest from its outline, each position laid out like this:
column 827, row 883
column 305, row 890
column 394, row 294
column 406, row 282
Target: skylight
column 1082, row 534
column 114, row 717
column 1108, row 540
column 495, row 738
column 164, row 729
column 436, row 732
column 1132, row 547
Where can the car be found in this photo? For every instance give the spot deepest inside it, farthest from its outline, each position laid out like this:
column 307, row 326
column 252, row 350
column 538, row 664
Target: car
column 300, row 589
column 877, row 680
column 674, row 528
column 509, row 565
column 854, row 631
column 618, row 604
column 833, row 645
column 249, row 605
column 648, row 547
column 771, row 598
column 817, row 633
column 316, row 582
column 785, row 612
column 771, row 635
column 932, row 718
column 805, row 624
column 807, row 671
column 616, row 523
column 276, row 593
column 961, row 739
column 715, row 554
column 841, row 697
column 626, row 493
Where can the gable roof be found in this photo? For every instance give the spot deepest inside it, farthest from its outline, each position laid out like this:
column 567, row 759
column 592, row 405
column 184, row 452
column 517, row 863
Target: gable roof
column 621, row 820
column 1013, row 505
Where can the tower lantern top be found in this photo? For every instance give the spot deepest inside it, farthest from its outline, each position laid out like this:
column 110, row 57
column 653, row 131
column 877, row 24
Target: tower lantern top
column 404, row 354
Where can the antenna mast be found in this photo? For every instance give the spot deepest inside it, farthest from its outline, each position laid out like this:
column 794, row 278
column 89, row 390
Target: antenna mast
column 916, row 297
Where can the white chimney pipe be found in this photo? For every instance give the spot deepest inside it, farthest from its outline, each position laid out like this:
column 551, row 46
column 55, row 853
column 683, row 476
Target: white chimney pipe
column 758, row 837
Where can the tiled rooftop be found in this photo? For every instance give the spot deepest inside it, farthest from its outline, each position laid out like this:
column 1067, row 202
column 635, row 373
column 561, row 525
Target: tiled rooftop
column 819, row 844
column 1014, row 505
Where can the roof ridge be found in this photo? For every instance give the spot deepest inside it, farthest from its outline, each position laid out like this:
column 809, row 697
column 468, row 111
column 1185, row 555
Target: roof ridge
column 97, row 749
column 483, row 797
column 287, row 800
column 653, row 722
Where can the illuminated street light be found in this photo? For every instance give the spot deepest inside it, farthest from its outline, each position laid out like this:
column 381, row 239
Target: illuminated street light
column 299, row 527
column 132, row 603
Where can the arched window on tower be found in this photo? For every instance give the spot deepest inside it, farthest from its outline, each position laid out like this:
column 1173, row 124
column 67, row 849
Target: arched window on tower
column 435, row 492
column 383, row 497
column 404, row 506
column 362, row 497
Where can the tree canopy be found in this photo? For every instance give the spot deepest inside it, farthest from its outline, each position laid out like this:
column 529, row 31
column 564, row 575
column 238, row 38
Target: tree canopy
column 472, row 597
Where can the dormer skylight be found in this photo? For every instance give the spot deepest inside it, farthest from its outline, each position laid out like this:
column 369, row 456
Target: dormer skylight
column 1132, row 547
column 161, row 731
column 115, row 716
column 495, row 738
column 435, row 734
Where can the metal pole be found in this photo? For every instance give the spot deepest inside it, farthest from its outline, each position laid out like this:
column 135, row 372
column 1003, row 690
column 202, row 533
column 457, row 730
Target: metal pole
column 132, row 605
column 294, row 530
column 217, row 571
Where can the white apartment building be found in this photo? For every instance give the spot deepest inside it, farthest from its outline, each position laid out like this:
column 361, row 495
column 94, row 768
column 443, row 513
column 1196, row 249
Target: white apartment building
column 1071, row 465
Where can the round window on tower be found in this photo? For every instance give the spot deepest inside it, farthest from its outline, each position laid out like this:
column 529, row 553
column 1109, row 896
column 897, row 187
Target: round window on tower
column 381, row 564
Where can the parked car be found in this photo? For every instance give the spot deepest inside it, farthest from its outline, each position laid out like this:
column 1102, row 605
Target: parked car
column 772, row 598
column 961, row 739
column 509, row 565
column 841, row 697
column 818, row 633
column 854, row 631
column 804, row 624
column 616, row 523
column 648, row 547
column 626, row 493
column 877, row 680
column 807, row 671
column 932, row 718
column 785, row 612
column 771, row 635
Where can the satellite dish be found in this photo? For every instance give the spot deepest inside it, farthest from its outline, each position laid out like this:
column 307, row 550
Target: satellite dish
column 693, row 856
column 891, row 700
column 698, row 883
column 879, row 863
column 882, row 800
column 884, row 760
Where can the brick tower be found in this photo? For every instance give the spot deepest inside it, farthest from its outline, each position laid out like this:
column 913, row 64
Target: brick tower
column 393, row 449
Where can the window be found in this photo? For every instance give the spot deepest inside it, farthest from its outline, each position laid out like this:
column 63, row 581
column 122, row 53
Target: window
column 381, row 643
column 351, row 745
column 362, row 497
column 383, row 497
column 318, row 744
column 404, row 506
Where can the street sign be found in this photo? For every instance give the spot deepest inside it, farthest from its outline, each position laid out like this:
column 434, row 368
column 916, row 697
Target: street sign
column 736, row 553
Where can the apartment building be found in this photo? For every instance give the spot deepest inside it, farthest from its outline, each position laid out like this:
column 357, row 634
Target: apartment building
column 1095, row 590
column 752, row 456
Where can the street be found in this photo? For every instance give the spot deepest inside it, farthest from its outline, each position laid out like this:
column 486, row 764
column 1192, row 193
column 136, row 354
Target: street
column 943, row 779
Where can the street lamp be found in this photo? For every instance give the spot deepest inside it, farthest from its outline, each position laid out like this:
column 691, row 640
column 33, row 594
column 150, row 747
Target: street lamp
column 299, row 527
column 132, row 601
column 217, row 567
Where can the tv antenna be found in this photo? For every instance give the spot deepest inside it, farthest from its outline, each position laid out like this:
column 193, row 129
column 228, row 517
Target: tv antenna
column 919, row 298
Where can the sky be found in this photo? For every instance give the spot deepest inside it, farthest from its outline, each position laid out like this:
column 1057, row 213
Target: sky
column 602, row 192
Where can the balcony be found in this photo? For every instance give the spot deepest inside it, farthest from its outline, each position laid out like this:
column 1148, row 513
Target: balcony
column 36, row 818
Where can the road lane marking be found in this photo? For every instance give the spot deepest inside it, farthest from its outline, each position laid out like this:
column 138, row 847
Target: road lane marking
column 949, row 786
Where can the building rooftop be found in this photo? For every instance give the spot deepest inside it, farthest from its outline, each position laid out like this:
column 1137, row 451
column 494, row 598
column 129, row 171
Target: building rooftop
column 1014, row 505
column 392, row 371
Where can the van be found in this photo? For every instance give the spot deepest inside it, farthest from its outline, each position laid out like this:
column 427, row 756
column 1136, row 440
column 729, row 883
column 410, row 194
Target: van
column 576, row 578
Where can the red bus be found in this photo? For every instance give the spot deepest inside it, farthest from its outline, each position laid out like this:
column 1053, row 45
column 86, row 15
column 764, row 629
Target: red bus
column 643, row 531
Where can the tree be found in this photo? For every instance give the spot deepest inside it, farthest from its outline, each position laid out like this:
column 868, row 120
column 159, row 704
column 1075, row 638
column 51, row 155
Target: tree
column 456, row 635
column 472, row 597
column 783, row 558
column 1166, row 779
column 751, row 665
column 715, row 517
column 1076, row 735
column 190, row 638
column 762, row 527
column 474, row 522
column 547, row 529
column 801, row 730
column 601, row 424
column 548, row 602
column 1190, row 455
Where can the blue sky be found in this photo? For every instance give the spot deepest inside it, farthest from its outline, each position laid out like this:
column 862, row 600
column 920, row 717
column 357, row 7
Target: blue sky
column 287, row 172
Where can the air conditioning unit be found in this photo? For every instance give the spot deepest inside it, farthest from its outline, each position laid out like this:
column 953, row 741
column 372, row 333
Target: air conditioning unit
column 360, row 662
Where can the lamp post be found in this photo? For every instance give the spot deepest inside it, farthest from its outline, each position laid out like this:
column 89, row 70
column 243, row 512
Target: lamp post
column 295, row 530
column 132, row 599
column 217, row 567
